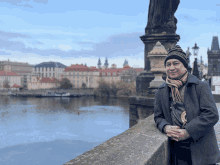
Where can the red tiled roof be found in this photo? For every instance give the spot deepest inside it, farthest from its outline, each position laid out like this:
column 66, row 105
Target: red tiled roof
column 109, row 70
column 22, row 71
column 16, row 86
column 126, row 66
column 93, row 68
column 76, row 67
column 54, row 79
column 81, row 68
column 118, row 70
column 3, row 73
column 47, row 80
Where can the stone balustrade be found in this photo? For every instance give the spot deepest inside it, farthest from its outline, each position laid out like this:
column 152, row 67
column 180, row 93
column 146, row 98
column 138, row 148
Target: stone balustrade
column 141, row 144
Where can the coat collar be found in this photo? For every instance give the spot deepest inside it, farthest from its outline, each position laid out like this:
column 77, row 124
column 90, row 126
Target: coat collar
column 190, row 79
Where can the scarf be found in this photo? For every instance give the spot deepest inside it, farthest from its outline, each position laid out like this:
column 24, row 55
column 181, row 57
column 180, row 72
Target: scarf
column 175, row 85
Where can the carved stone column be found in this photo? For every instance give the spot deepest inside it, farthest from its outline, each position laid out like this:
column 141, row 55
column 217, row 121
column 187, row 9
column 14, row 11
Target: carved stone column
column 144, row 79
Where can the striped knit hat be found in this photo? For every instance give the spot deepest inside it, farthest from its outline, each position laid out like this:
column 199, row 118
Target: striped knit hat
column 177, row 53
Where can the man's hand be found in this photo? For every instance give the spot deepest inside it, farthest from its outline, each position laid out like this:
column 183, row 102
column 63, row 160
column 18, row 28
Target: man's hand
column 175, row 133
column 169, row 130
column 181, row 134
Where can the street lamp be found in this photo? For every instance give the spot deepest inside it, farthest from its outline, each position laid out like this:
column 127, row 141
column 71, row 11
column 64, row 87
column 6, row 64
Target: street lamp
column 195, row 67
column 195, row 50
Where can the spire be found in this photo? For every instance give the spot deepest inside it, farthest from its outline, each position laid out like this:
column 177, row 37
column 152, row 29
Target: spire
column 125, row 63
column 99, row 63
column 201, row 62
column 106, row 63
column 215, row 44
column 195, row 69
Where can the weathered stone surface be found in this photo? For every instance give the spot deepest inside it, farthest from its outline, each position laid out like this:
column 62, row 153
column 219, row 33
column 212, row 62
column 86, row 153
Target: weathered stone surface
column 141, row 144
column 144, row 79
column 161, row 17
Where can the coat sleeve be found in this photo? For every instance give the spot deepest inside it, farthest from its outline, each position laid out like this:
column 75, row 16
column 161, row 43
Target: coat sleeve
column 158, row 113
column 208, row 117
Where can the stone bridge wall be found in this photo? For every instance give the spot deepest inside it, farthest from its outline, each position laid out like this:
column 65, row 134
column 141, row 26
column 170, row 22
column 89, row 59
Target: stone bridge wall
column 142, row 144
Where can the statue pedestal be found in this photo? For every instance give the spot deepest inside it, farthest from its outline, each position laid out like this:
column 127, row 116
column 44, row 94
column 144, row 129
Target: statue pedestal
column 144, row 79
column 157, row 81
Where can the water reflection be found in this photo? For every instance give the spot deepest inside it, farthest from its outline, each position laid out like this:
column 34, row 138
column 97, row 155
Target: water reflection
column 28, row 120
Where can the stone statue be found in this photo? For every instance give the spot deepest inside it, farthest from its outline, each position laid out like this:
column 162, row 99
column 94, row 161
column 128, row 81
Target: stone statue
column 161, row 17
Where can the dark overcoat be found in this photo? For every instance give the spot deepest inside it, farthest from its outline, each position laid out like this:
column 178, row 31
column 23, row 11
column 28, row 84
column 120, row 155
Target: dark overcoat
column 202, row 115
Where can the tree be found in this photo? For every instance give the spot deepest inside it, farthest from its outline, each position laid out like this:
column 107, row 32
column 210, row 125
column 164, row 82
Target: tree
column 83, row 85
column 65, row 83
column 6, row 84
column 103, row 88
column 114, row 88
column 126, row 89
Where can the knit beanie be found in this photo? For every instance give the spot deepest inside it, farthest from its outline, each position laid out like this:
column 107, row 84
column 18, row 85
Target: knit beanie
column 177, row 53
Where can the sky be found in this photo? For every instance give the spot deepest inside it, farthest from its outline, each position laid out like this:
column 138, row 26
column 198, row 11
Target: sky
column 71, row 31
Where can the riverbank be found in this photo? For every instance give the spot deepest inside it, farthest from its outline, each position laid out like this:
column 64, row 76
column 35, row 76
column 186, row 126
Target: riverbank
column 33, row 93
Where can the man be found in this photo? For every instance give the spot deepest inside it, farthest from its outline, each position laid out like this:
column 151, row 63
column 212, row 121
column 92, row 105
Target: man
column 185, row 110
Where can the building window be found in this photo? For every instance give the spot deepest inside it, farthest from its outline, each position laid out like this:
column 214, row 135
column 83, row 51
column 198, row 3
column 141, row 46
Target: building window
column 53, row 74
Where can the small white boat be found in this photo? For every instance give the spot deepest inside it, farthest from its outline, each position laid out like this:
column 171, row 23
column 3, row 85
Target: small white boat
column 62, row 94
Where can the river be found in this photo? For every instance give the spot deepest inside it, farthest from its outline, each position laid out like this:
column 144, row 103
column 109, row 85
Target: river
column 42, row 131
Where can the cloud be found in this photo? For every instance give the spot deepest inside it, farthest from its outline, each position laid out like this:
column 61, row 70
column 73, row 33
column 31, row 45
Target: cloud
column 8, row 35
column 4, row 53
column 65, row 47
column 25, row 5
column 41, row 1
column 19, row 2
column 40, row 43
column 121, row 45
column 13, row 2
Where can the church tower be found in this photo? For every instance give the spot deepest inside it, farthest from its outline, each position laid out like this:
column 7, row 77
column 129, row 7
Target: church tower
column 99, row 64
column 214, row 58
column 106, row 63
column 125, row 63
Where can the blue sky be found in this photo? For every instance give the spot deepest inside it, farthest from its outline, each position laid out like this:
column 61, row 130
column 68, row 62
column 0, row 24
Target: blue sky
column 71, row 31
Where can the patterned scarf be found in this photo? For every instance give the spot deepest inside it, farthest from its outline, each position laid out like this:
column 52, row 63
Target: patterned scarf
column 175, row 85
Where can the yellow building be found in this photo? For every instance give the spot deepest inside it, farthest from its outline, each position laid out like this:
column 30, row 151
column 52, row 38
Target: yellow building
column 43, row 83
column 21, row 68
column 11, row 78
column 79, row 74
column 126, row 74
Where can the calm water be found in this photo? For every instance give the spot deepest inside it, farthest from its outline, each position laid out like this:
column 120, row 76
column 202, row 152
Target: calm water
column 42, row 131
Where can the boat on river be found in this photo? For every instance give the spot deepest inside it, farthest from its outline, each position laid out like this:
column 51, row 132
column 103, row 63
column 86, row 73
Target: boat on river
column 62, row 94
column 56, row 94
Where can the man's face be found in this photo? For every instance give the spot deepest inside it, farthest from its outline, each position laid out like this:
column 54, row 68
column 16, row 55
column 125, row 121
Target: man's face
column 175, row 69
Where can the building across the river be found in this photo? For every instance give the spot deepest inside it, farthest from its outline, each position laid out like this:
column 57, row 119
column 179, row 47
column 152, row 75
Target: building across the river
column 79, row 74
column 11, row 78
column 43, row 83
column 49, row 69
column 21, row 68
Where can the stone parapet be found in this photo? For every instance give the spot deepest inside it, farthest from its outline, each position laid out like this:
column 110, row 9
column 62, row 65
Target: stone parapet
column 139, row 145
